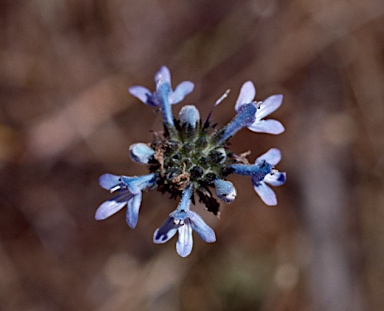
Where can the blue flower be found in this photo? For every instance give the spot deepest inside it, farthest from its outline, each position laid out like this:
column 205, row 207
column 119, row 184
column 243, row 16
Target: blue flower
column 269, row 105
column 129, row 189
column 263, row 172
column 161, row 77
column 183, row 221
column 274, row 177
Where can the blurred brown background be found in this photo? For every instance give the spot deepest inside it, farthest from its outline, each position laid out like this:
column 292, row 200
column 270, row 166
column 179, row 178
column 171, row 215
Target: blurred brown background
column 66, row 117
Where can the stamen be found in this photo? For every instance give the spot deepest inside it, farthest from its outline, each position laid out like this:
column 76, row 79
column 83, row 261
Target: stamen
column 224, row 96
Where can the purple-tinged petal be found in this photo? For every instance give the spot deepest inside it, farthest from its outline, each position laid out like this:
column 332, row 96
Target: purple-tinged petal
column 132, row 214
column 202, row 229
column 163, row 75
column 276, row 179
column 141, row 93
column 109, row 181
column 267, row 126
column 269, row 105
column 246, row 96
column 182, row 90
column 266, row 193
column 184, row 242
column 166, row 231
column 272, row 156
column 112, row 206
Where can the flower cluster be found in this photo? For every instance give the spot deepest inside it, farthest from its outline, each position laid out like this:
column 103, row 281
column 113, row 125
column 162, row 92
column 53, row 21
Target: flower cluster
column 190, row 158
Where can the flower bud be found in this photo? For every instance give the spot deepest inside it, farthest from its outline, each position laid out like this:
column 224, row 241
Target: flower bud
column 189, row 115
column 225, row 190
column 141, row 153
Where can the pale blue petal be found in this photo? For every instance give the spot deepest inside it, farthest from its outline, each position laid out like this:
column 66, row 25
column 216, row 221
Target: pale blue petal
column 266, row 193
column 182, row 90
column 276, row 179
column 201, row 228
column 132, row 214
column 267, row 126
column 141, row 93
column 163, row 75
column 246, row 96
column 108, row 181
column 165, row 232
column 184, row 242
column 272, row 156
column 112, row 206
column 269, row 105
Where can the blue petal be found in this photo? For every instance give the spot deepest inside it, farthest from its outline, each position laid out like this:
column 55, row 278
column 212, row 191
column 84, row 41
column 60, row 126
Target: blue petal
column 184, row 242
column 201, row 228
column 272, row 156
column 269, row 105
column 246, row 96
column 165, row 232
column 182, row 90
column 276, row 179
column 109, row 181
column 163, row 75
column 141, row 93
column 267, row 126
column 112, row 206
column 132, row 214
column 266, row 193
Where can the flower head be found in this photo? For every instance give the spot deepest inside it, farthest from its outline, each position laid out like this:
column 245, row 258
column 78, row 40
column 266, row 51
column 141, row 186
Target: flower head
column 190, row 158
column 266, row 107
